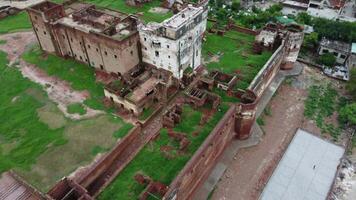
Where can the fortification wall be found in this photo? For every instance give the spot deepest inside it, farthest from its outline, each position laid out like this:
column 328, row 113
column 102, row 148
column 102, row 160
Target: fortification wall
column 237, row 121
column 205, row 158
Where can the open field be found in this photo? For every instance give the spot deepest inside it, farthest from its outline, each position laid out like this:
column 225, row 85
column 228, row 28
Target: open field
column 36, row 139
column 153, row 162
column 80, row 76
column 15, row 23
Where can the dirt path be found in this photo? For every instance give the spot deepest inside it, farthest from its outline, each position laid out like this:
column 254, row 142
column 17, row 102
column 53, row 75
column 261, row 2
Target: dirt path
column 58, row 91
column 245, row 176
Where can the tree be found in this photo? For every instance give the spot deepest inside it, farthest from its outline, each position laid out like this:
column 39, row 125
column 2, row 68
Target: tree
column 311, row 40
column 235, row 6
column 327, row 59
column 304, row 18
column 351, row 84
column 347, row 114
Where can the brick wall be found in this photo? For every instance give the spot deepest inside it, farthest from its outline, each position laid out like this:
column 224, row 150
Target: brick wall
column 205, row 158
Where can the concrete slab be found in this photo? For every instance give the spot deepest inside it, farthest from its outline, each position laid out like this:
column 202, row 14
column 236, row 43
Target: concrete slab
column 310, row 175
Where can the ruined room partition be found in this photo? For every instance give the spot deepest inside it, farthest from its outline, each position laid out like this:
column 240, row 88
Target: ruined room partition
column 204, row 159
column 241, row 29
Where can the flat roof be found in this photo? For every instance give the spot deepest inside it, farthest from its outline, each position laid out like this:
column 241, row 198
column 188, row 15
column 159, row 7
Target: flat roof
column 182, row 17
column 353, row 48
column 140, row 92
column 306, row 170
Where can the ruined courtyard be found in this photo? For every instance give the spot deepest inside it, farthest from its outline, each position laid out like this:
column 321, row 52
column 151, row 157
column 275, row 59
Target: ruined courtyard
column 137, row 99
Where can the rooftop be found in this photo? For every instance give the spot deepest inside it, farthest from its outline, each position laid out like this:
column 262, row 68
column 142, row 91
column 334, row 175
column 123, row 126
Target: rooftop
column 88, row 18
column 337, row 45
column 353, row 48
column 142, row 90
column 306, row 170
column 182, row 17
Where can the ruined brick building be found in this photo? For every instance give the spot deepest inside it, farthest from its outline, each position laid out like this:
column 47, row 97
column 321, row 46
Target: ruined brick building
column 102, row 38
column 148, row 62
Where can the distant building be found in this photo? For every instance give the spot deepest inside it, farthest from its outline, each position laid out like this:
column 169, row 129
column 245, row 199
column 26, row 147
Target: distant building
column 340, row 50
column 102, row 38
column 351, row 62
column 175, row 44
column 329, row 9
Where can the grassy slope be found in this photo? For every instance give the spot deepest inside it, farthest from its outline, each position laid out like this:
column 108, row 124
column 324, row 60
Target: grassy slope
column 151, row 161
column 33, row 132
column 236, row 50
column 15, row 23
column 76, row 108
column 22, row 137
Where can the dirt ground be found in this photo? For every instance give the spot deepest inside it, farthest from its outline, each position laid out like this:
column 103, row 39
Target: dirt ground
column 252, row 167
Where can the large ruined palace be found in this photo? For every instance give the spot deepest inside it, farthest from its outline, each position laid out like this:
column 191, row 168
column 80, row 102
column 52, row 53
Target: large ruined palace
column 152, row 62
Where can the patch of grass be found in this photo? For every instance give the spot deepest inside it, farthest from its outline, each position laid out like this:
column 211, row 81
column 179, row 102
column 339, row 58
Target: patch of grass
column 37, row 141
column 80, row 76
column 14, row 23
column 19, row 121
column 146, row 113
column 267, row 111
column 224, row 96
column 2, row 42
column 98, row 149
column 144, row 9
column 236, row 56
column 123, row 130
column 322, row 103
column 260, row 121
column 150, row 160
column 76, row 108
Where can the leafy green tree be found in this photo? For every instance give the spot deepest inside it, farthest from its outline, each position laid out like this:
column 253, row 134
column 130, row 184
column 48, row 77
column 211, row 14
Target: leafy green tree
column 304, row 18
column 351, row 84
column 235, row 6
column 347, row 114
column 327, row 59
column 311, row 40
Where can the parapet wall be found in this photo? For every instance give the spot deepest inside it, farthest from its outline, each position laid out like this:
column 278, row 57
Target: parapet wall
column 205, row 158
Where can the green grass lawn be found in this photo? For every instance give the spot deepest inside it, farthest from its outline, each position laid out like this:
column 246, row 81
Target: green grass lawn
column 151, row 161
column 146, row 113
column 38, row 141
column 76, row 108
column 121, row 6
column 15, row 23
column 22, row 137
column 80, row 76
column 236, row 56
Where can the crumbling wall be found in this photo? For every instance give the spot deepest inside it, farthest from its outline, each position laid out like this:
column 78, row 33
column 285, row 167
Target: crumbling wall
column 205, row 158
column 232, row 26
